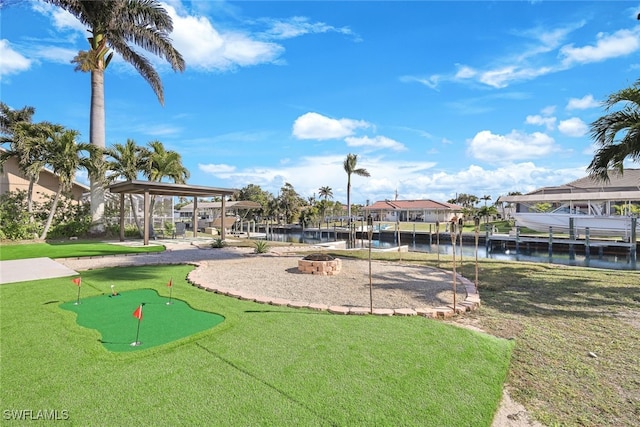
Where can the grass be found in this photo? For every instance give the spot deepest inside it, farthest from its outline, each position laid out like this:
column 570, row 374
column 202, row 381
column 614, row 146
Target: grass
column 557, row 316
column 69, row 250
column 264, row 365
column 164, row 320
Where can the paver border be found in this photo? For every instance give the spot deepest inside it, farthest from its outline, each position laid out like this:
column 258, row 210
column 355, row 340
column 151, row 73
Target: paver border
column 469, row 304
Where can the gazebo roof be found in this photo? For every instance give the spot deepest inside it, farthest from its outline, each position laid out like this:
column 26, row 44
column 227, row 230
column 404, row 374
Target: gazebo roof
column 168, row 189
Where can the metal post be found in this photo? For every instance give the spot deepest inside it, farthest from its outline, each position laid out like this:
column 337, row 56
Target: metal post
column 476, row 221
column 587, row 248
column 460, row 224
column 572, row 236
column 454, row 238
column 370, row 232
column 550, row 242
column 438, row 241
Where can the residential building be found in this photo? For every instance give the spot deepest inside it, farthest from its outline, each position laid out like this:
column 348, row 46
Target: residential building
column 413, row 210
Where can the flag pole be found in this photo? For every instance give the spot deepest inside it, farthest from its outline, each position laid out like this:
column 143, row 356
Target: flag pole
column 138, row 315
column 78, row 282
column 170, row 285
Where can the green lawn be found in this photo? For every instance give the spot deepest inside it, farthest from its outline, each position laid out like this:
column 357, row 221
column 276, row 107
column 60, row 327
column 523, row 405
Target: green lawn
column 264, row 365
column 69, row 250
column 559, row 318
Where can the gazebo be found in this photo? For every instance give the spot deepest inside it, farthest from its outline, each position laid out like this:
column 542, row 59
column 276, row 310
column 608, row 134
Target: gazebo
column 149, row 188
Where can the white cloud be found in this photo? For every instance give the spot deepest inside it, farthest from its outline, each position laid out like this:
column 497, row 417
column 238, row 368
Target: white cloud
column 11, row 61
column 412, row 180
column 62, row 20
column 298, row 26
column 317, row 126
column 573, row 127
column 502, row 77
column 221, row 170
column 431, row 81
column 547, row 111
column 583, row 103
column 204, row 47
column 56, row 54
column 490, row 147
column 548, row 122
column 620, row 43
column 465, row 72
column 375, row 142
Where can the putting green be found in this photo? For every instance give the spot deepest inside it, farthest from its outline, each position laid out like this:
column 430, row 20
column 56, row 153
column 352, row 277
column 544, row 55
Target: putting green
column 161, row 323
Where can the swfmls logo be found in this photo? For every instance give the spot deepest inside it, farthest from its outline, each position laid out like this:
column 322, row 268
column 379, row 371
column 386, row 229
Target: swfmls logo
column 35, row 415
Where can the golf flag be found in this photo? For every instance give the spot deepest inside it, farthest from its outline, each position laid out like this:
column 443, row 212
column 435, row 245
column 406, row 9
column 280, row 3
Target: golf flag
column 138, row 313
column 77, row 281
column 170, row 284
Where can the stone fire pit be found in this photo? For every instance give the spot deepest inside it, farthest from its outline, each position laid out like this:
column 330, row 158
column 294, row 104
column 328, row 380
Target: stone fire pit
column 322, row 264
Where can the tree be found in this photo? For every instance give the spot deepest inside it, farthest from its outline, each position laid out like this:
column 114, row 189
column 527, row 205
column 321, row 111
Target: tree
column 15, row 130
column 350, row 167
column 119, row 26
column 615, row 149
column 9, row 117
column 28, row 147
column 290, row 201
column 256, row 194
column 162, row 163
column 127, row 161
column 465, row 200
column 65, row 158
column 325, row 192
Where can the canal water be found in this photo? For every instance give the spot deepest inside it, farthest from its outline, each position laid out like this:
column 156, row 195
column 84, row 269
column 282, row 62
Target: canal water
column 614, row 262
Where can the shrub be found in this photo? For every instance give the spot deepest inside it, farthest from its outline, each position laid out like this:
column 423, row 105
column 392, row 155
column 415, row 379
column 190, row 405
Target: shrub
column 262, row 246
column 218, row 243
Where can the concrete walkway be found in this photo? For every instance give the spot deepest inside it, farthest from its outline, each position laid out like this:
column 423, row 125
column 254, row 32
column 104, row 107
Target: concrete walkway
column 24, row 270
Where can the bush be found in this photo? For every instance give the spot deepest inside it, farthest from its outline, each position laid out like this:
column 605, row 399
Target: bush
column 218, row 243
column 262, row 246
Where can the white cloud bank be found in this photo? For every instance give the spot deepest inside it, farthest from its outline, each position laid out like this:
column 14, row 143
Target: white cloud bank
column 319, row 127
column 489, row 147
column 11, row 62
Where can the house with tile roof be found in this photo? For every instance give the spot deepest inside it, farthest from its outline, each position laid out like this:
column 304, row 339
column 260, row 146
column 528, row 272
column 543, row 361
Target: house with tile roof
column 412, row 211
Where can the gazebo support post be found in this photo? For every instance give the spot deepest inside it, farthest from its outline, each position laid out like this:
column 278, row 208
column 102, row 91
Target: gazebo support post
column 223, row 214
column 195, row 216
column 122, row 217
column 146, row 217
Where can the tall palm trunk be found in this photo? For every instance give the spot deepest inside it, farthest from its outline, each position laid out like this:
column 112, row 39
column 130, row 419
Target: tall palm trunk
column 349, row 197
column 134, row 210
column 97, row 135
column 52, row 211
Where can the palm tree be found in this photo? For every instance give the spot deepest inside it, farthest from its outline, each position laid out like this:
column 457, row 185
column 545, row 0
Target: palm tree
column 325, row 192
column 9, row 117
column 16, row 131
column 162, row 163
column 350, row 164
column 119, row 26
column 28, row 146
column 64, row 156
column 127, row 161
column 614, row 150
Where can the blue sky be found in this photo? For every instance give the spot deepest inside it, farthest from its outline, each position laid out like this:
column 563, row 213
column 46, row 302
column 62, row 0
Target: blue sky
column 436, row 98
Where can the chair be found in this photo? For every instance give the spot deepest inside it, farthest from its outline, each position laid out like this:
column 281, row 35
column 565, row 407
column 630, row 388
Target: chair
column 180, row 229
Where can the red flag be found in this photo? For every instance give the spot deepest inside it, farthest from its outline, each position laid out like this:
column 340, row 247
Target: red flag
column 170, row 284
column 77, row 281
column 138, row 313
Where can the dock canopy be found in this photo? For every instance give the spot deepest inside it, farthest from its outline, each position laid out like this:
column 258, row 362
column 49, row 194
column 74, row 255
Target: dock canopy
column 150, row 188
